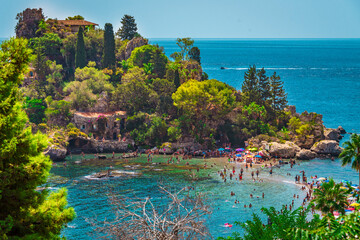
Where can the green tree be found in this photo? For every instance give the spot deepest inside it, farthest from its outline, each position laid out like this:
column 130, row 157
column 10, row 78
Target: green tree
column 128, row 28
column 150, row 54
column 135, row 96
column 58, row 113
column 25, row 213
column 278, row 97
column 194, row 54
column 109, row 47
column 135, row 73
column 89, row 82
column 264, row 85
column 28, row 23
column 331, row 197
column 185, row 45
column 35, row 109
column 54, row 79
column 250, row 87
column 76, row 17
column 351, row 153
column 80, row 55
column 164, row 90
column 94, row 45
column 203, row 105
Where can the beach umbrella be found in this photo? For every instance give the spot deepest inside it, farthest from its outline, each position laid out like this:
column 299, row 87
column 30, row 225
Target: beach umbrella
column 321, row 179
column 355, row 204
column 238, row 155
column 221, row 149
column 239, row 150
column 258, row 156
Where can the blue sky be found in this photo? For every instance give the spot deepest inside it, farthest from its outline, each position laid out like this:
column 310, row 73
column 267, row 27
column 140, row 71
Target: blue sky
column 206, row 18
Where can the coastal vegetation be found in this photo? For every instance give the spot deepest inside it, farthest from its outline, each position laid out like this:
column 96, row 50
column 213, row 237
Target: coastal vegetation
column 25, row 213
column 79, row 69
column 351, row 153
column 166, row 102
column 286, row 224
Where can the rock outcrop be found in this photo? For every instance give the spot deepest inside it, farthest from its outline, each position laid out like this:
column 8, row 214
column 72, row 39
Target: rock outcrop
column 332, row 134
column 283, row 150
column 325, row 147
column 341, row 130
column 305, row 154
column 56, row 153
column 134, row 43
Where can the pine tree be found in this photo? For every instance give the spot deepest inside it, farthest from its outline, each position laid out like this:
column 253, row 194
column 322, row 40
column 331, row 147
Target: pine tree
column 194, row 54
column 109, row 47
column 277, row 93
column 128, row 29
column 264, row 85
column 25, row 213
column 80, row 55
column 250, row 86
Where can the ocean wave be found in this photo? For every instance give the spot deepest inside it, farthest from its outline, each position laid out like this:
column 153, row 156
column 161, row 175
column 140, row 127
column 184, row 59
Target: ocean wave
column 125, row 172
column 272, row 68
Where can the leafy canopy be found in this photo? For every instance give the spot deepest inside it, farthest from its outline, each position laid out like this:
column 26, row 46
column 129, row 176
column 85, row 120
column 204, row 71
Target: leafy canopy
column 25, row 212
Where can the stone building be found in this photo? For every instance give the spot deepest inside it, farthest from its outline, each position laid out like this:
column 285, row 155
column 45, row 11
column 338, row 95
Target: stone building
column 101, row 125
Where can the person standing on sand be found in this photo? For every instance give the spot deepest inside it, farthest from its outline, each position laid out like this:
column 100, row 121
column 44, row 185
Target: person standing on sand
column 270, row 171
column 257, row 173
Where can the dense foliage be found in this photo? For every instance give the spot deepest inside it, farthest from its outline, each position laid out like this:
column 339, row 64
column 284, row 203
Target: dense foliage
column 288, row 225
column 351, row 153
column 93, row 70
column 25, row 212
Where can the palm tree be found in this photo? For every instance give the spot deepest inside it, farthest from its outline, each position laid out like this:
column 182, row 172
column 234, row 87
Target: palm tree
column 331, row 197
column 351, row 153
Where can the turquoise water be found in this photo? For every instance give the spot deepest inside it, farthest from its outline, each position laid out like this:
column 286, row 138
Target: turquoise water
column 320, row 75
column 90, row 197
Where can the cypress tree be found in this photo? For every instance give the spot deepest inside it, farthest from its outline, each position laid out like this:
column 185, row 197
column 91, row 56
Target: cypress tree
column 277, row 93
column 25, row 213
column 250, row 86
column 80, row 55
column 177, row 79
column 109, row 47
column 128, row 29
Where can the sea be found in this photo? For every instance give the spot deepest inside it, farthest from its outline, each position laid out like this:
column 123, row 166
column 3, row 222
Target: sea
column 319, row 75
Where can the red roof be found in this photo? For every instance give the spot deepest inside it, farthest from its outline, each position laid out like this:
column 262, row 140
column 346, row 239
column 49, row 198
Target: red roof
column 77, row 23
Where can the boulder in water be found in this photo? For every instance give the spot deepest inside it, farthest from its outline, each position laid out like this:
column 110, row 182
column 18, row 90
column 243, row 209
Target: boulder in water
column 327, row 147
column 341, row 130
